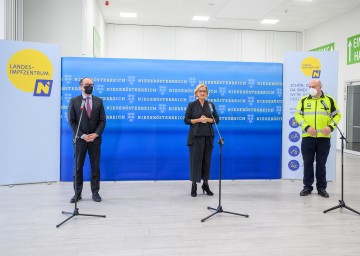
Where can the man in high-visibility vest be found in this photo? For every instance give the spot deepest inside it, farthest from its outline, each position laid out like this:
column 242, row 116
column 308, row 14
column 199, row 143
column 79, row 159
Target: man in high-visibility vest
column 316, row 114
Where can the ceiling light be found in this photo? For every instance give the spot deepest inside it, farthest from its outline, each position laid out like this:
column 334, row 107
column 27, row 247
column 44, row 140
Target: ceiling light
column 128, row 14
column 268, row 21
column 201, row 18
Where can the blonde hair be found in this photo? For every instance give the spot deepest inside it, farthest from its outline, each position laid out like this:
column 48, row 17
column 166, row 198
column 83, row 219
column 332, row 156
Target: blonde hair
column 198, row 88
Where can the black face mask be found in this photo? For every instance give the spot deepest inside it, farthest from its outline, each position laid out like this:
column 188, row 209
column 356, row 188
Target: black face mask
column 88, row 89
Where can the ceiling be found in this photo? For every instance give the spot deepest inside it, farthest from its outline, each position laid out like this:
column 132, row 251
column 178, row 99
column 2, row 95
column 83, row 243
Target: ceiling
column 294, row 15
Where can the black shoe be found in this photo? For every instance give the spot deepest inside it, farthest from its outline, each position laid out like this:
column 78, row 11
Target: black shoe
column 193, row 189
column 75, row 198
column 305, row 192
column 96, row 197
column 323, row 193
column 205, row 188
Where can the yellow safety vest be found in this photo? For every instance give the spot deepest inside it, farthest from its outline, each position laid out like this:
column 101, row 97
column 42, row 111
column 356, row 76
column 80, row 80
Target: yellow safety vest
column 311, row 112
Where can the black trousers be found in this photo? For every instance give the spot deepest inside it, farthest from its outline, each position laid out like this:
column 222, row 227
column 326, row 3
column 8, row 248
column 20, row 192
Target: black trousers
column 93, row 149
column 315, row 149
column 200, row 158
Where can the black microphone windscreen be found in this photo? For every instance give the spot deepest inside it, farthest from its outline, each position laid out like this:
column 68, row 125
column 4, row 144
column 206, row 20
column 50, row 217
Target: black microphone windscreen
column 324, row 104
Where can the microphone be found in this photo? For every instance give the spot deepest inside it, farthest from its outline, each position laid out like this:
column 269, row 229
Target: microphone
column 82, row 104
column 210, row 106
column 324, row 104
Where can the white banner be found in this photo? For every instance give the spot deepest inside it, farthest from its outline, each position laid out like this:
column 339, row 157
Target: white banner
column 30, row 112
column 299, row 69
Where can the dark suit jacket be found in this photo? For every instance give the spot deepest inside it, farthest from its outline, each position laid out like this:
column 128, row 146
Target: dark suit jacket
column 194, row 111
column 94, row 124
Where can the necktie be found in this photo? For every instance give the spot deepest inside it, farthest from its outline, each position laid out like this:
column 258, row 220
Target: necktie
column 88, row 108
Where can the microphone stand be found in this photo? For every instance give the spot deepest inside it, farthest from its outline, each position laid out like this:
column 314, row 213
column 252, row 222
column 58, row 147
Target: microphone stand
column 76, row 210
column 219, row 209
column 341, row 202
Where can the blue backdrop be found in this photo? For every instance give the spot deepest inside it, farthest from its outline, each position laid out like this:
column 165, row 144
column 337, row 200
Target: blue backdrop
column 145, row 103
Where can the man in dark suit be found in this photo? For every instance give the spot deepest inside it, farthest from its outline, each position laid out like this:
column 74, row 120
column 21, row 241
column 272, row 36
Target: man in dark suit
column 89, row 136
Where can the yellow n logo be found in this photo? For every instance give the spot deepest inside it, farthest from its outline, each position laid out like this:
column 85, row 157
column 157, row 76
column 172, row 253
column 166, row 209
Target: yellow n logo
column 316, row 74
column 43, row 87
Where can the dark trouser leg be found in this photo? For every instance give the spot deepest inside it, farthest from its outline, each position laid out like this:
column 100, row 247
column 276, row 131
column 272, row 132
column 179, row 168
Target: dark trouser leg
column 206, row 162
column 94, row 155
column 81, row 148
column 308, row 153
column 322, row 152
column 196, row 152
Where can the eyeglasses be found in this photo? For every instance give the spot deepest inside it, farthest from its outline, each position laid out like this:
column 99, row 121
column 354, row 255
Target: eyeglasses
column 202, row 91
column 88, row 85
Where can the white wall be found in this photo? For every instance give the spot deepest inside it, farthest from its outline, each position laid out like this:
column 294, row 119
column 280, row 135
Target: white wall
column 93, row 17
column 68, row 23
column 2, row 19
column 154, row 42
column 337, row 30
column 55, row 22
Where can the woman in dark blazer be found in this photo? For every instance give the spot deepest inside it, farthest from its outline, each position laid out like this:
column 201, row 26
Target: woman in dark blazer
column 200, row 138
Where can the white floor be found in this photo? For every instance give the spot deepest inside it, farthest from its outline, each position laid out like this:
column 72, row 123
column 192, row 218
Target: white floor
column 160, row 218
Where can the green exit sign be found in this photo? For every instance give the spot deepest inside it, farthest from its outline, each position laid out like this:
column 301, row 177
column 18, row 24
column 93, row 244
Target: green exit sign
column 353, row 49
column 325, row 48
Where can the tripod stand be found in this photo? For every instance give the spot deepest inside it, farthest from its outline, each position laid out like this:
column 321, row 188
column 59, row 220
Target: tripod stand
column 219, row 209
column 76, row 210
column 341, row 202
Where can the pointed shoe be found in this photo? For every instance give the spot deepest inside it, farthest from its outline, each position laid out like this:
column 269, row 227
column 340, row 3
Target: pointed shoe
column 205, row 188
